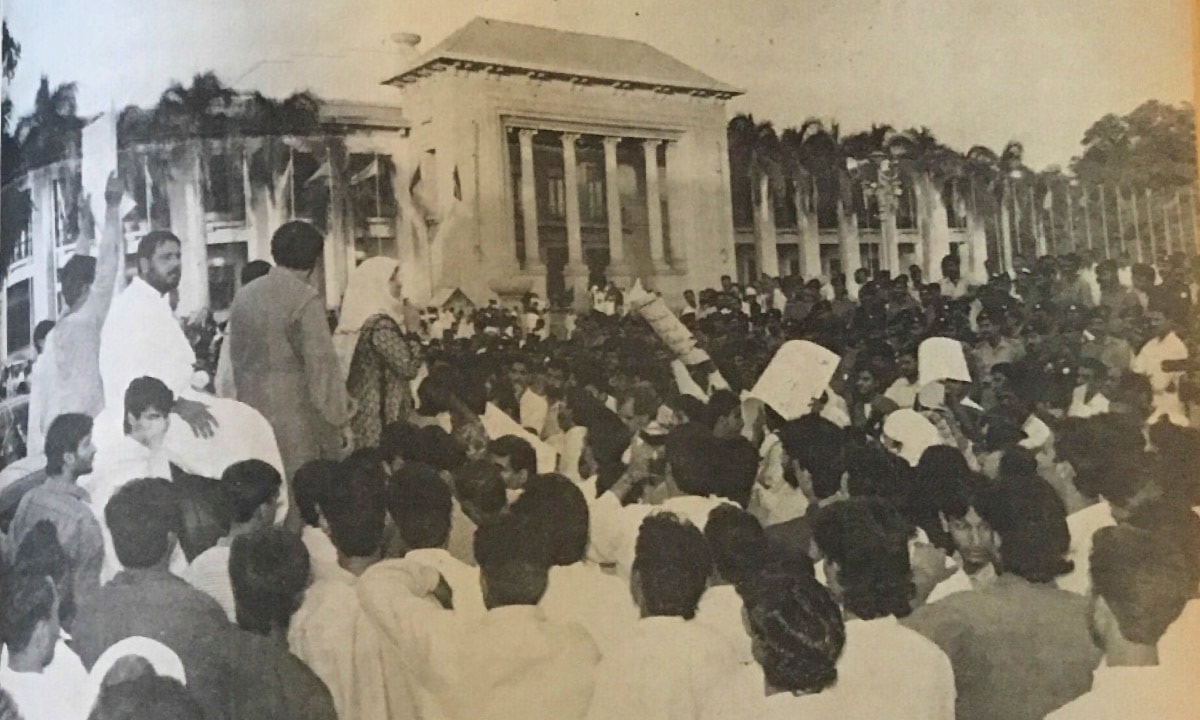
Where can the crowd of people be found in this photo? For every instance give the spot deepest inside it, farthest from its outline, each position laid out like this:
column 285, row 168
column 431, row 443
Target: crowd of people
column 853, row 497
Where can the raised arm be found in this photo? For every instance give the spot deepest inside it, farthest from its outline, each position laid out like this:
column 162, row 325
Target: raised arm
column 108, row 254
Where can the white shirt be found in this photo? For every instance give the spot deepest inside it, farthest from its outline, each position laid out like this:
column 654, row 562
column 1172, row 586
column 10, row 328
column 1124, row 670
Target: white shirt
column 1178, row 647
column 960, row 581
column 56, row 693
column 885, row 671
column 363, row 670
column 614, row 527
column 323, row 555
column 602, row 603
column 772, row 499
column 903, row 392
column 954, row 290
column 209, row 573
column 663, row 671
column 497, row 424
column 534, row 409
column 721, row 609
column 1081, row 408
column 1165, row 384
column 1134, row 692
column 512, row 662
column 1082, row 525
column 462, row 578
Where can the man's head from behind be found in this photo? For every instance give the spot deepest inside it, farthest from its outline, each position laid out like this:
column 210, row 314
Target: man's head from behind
column 77, row 277
column 815, row 455
column 556, row 508
column 796, row 629
column 148, row 404
column 147, row 697
column 1031, row 522
column 145, row 520
column 479, row 486
column 297, row 245
column 354, row 507
column 514, row 561
column 252, row 487
column 671, row 567
column 160, row 261
column 30, row 618
column 1140, row 583
column 420, row 504
column 269, row 570
column 516, row 459
column 737, row 542
column 865, row 545
column 69, row 449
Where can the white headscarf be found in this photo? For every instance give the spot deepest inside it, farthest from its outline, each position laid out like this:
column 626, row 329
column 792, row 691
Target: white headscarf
column 162, row 658
column 368, row 293
column 912, row 432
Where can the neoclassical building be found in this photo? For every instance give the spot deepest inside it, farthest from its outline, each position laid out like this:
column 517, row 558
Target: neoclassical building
column 554, row 157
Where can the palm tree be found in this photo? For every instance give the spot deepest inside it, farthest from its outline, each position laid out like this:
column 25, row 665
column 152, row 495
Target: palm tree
column 991, row 176
column 755, row 154
column 929, row 166
column 52, row 131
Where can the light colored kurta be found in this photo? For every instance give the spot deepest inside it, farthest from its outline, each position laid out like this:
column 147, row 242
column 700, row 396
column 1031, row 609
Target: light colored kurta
column 1123, row 693
column 602, row 603
column 56, row 693
column 285, row 367
column 142, row 337
column 663, row 671
column 511, row 663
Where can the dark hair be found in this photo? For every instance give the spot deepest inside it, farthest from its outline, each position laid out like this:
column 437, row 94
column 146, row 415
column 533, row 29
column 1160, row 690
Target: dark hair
column 248, row 484
column 868, row 540
column 145, row 393
column 798, row 629
column 297, row 245
column 514, row 561
column 737, row 542
column 520, row 453
column 63, row 436
column 1018, row 462
column 420, row 505
column 147, row 697
column 1031, row 521
column 28, row 601
column 672, row 563
column 817, row 445
column 1176, row 523
column 721, row 403
column 253, row 270
column 310, row 487
column 1143, row 579
column 1107, row 454
column 688, row 450
column 399, row 439
column 142, row 516
column 354, row 506
column 479, row 484
column 557, row 508
column 41, row 554
column 733, row 469
column 151, row 241
column 437, row 448
column 645, row 399
column 76, row 275
column 268, row 571
column 41, row 330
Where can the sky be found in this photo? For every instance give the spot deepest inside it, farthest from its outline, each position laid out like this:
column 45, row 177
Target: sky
column 975, row 71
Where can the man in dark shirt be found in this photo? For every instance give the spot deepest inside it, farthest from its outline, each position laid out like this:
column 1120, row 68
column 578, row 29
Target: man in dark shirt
column 1020, row 647
column 147, row 600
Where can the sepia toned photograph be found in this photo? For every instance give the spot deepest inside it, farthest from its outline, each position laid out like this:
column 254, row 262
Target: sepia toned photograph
column 570, row 360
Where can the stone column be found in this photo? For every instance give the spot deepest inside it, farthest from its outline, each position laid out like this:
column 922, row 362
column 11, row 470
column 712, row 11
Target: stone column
column 617, row 267
column 765, row 238
column 654, row 204
column 529, row 216
column 576, row 271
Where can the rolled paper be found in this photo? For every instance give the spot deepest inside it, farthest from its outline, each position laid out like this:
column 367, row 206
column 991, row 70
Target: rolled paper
column 941, row 358
column 665, row 324
column 798, row 374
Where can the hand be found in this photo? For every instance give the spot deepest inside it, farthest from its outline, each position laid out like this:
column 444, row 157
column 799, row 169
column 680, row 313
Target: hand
column 197, row 416
column 114, row 190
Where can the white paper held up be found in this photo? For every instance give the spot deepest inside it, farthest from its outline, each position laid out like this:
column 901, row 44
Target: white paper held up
column 795, row 377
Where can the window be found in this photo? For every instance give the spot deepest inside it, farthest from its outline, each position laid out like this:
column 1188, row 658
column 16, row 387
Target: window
column 310, row 188
column 743, row 202
column 789, row 259
column 152, row 212
column 19, row 315
column 747, row 263
column 869, row 252
column 225, row 264
column 224, row 192
column 785, row 206
column 906, row 209
column 827, row 195
column 373, row 204
column 831, row 260
column 956, row 215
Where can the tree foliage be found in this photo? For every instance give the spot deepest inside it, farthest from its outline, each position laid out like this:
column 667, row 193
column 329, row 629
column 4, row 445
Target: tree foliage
column 1153, row 146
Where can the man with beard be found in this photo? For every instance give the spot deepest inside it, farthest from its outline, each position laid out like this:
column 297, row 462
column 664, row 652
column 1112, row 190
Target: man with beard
column 143, row 338
column 60, row 500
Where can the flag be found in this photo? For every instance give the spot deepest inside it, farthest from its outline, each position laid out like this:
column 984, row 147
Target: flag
column 370, row 171
column 322, row 172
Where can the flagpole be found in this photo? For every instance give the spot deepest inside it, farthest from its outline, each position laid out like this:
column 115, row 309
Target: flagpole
column 1137, row 226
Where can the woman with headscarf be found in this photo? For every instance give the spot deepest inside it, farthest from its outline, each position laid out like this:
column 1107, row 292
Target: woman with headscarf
column 379, row 361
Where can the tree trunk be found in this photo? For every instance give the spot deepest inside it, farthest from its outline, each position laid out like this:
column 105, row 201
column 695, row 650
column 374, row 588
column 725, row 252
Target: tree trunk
column 935, row 226
column 765, row 240
column 848, row 241
column 809, row 235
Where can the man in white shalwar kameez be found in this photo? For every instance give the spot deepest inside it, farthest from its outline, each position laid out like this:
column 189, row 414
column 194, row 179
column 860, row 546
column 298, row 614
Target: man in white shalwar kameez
column 142, row 337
